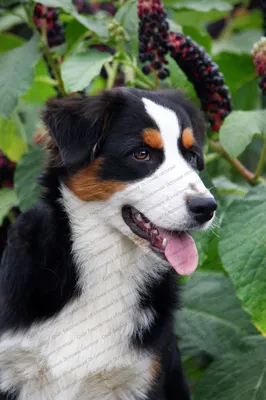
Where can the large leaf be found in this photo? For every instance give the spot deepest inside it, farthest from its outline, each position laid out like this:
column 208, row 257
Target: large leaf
column 243, row 252
column 204, row 5
column 8, row 199
column 93, row 24
column 236, row 377
column 240, row 42
column 199, row 35
column 238, row 69
column 79, row 69
column 41, row 89
column 188, row 15
column 8, row 3
column 26, row 178
column 212, row 320
column 239, row 129
column 66, row 5
column 127, row 16
column 16, row 74
column 9, row 42
column 12, row 141
column 30, row 115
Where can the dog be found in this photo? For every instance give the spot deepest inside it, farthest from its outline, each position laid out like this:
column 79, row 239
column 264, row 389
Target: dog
column 88, row 278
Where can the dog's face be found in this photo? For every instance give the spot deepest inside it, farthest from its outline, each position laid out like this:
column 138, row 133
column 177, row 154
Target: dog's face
column 137, row 153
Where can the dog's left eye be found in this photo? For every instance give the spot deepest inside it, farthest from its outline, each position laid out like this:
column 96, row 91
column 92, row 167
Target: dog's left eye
column 142, row 155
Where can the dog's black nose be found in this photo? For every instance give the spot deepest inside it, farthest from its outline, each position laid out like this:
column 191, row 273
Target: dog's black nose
column 202, row 208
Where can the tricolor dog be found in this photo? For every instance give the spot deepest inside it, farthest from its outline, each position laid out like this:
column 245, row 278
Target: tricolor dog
column 88, row 279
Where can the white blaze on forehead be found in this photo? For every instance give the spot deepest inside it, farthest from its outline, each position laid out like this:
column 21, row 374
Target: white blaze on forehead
column 167, row 123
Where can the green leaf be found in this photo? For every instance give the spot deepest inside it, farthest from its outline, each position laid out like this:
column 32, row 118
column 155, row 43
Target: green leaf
column 127, row 16
column 97, row 26
column 66, row 5
column 178, row 79
column 12, row 141
column 26, row 178
column 189, row 17
column 211, row 320
column 7, row 21
column 30, row 115
column 8, row 199
column 236, row 377
column 238, row 69
column 239, row 129
column 241, row 42
column 248, row 97
column 8, row 3
column 204, row 5
column 79, row 69
column 41, row 89
column 16, row 74
column 9, row 42
column 96, row 86
column 224, row 186
column 199, row 35
column 74, row 32
column 202, row 241
column 242, row 249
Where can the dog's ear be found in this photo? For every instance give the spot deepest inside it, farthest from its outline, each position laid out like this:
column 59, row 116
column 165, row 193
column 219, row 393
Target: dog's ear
column 76, row 125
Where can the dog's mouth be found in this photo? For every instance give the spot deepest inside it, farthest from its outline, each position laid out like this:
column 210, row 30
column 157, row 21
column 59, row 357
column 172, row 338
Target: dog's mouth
column 177, row 247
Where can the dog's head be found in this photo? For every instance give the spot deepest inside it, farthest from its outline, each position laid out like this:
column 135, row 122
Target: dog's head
column 137, row 153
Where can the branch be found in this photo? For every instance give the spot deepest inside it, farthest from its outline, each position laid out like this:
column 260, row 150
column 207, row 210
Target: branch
column 55, row 68
column 260, row 165
column 248, row 175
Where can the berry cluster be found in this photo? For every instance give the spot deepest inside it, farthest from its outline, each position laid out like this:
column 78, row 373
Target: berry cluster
column 259, row 59
column 48, row 18
column 7, row 170
column 203, row 73
column 153, row 33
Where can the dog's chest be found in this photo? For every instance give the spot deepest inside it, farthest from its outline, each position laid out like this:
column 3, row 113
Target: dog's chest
column 85, row 351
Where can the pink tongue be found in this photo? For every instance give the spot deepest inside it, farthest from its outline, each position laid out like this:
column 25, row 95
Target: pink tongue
column 181, row 252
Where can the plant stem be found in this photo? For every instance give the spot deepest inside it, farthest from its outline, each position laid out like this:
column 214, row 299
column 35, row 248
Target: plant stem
column 210, row 157
column 55, row 68
column 248, row 175
column 260, row 165
column 112, row 71
column 140, row 74
column 139, row 84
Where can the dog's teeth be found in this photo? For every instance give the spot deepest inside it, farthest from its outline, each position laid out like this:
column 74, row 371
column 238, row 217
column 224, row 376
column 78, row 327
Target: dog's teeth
column 139, row 218
column 164, row 242
column 148, row 225
column 155, row 232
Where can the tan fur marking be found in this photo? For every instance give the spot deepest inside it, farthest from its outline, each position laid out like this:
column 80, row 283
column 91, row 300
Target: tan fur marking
column 87, row 185
column 187, row 138
column 153, row 138
column 156, row 367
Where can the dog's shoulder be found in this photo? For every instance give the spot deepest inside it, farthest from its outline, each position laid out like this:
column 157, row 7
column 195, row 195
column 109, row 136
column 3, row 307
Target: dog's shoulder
column 37, row 277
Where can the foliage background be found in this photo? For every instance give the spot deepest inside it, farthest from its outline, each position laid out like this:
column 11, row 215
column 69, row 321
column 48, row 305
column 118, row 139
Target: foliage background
column 223, row 323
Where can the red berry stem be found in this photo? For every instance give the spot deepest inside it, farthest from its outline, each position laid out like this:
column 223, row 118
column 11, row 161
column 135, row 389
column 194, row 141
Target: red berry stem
column 204, row 74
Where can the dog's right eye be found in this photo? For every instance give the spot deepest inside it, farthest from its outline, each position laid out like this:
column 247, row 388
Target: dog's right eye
column 142, row 155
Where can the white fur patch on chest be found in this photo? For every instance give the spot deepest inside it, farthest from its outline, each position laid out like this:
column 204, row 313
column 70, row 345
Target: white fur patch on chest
column 84, row 352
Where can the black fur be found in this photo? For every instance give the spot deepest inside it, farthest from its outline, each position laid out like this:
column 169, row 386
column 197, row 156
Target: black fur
column 38, row 275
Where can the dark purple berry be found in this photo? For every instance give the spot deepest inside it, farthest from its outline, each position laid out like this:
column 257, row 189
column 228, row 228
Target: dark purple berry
column 146, row 70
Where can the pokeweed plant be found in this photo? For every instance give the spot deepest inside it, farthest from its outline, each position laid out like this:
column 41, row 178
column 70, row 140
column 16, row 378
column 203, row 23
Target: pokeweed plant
column 215, row 52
